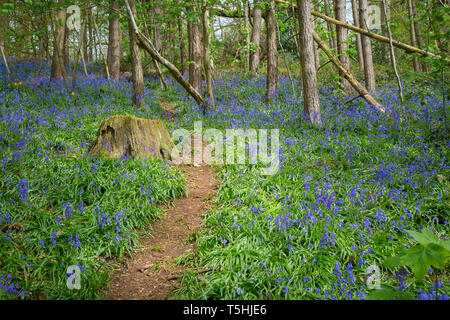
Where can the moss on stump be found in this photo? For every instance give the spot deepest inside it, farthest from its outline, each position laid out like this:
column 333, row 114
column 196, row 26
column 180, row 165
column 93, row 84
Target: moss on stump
column 120, row 136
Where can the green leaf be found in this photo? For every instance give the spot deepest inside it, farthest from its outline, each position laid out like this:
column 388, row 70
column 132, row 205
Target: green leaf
column 421, row 257
column 393, row 261
column 389, row 294
column 425, row 237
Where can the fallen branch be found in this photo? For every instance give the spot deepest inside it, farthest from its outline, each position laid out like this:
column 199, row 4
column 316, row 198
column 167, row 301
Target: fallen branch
column 148, row 46
column 347, row 75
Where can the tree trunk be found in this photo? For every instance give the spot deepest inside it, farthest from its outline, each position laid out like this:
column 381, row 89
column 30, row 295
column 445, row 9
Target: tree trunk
column 136, row 63
column 149, row 47
column 369, row 73
column 182, row 46
column 255, row 40
column 58, row 44
column 358, row 36
column 114, row 41
column 247, row 34
column 85, row 37
column 406, row 47
column 206, row 54
column 91, row 36
column 330, row 26
column 385, row 16
column 358, row 87
column 272, row 53
column 342, row 46
column 412, row 34
column 195, row 55
column 392, row 51
column 66, row 53
column 309, row 77
column 419, row 37
column 157, row 11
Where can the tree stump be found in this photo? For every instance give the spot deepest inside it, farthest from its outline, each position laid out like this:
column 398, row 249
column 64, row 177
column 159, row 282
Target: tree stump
column 120, row 136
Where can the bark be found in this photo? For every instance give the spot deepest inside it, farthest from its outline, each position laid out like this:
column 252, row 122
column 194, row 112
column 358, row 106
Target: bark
column 195, row 56
column 58, row 44
column 182, row 46
column 157, row 11
column 91, row 36
column 309, row 77
column 412, row 34
column 342, row 46
column 392, row 51
column 272, row 53
column 330, row 26
column 369, row 73
column 114, row 41
column 419, row 37
column 358, row 36
column 105, row 61
column 358, row 87
column 85, row 37
column 247, row 34
column 385, row 16
column 206, row 53
column 147, row 45
column 255, row 40
column 120, row 136
column 66, row 53
column 136, row 62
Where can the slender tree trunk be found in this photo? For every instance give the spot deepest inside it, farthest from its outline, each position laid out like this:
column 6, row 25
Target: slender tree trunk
column 148, row 46
column 412, row 33
column 91, row 36
column 392, row 52
column 369, row 73
column 195, row 56
column 136, row 63
column 255, row 40
column 206, row 54
column 66, row 53
column 114, row 41
column 330, row 26
column 385, row 16
column 342, row 46
column 247, row 34
column 58, row 44
column 358, row 36
column 157, row 11
column 419, row 37
column 309, row 77
column 182, row 46
column 358, row 87
column 272, row 53
column 85, row 37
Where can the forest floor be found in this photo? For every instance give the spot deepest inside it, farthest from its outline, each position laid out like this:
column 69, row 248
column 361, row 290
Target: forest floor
column 152, row 272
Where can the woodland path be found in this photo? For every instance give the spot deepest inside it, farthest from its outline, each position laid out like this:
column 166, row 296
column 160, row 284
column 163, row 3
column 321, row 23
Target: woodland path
column 151, row 273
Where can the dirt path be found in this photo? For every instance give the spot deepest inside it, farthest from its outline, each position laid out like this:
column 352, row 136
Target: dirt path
column 152, row 274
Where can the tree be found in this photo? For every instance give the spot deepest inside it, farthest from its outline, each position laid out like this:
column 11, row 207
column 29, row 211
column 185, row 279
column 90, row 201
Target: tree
column 342, row 46
column 195, row 50
column 272, row 53
column 136, row 63
column 182, row 45
column 309, row 77
column 255, row 40
column 113, row 58
column 366, row 44
column 412, row 34
column 58, row 43
column 358, row 36
column 330, row 26
column 206, row 53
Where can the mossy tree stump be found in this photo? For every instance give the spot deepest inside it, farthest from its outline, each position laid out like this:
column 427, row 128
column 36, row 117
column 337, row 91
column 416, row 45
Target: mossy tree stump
column 120, row 136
